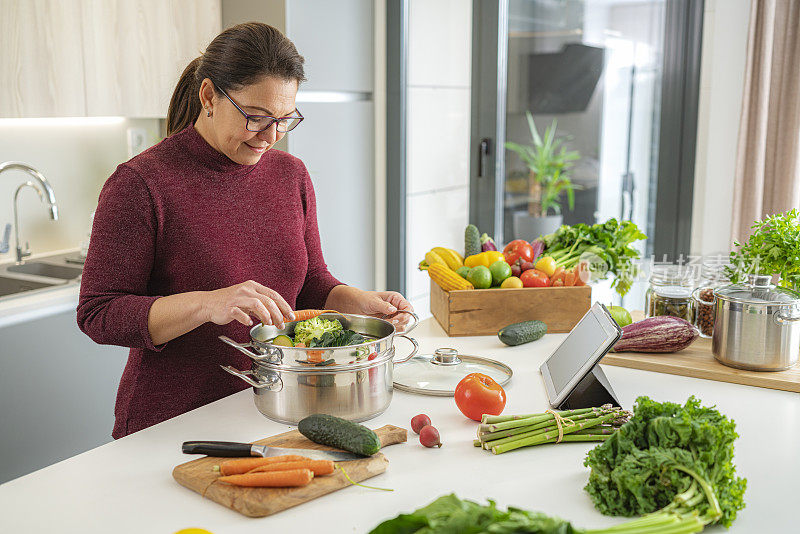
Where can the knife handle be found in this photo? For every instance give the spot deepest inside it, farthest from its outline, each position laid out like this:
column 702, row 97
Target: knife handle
column 227, row 449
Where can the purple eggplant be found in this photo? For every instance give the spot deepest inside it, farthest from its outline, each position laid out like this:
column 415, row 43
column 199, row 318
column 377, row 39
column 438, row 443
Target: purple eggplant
column 487, row 243
column 538, row 248
column 663, row 333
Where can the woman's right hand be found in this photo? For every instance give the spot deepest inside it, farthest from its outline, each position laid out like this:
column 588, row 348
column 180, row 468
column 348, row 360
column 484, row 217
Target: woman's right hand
column 239, row 302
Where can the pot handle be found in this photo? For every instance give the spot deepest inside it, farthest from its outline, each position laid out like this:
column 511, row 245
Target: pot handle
column 273, row 383
column 413, row 352
column 784, row 320
column 412, row 314
column 242, row 347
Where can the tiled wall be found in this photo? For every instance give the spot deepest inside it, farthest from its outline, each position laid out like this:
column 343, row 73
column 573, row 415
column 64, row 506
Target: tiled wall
column 439, row 67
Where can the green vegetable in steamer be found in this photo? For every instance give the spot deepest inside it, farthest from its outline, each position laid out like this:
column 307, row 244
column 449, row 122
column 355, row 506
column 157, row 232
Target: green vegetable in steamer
column 305, row 331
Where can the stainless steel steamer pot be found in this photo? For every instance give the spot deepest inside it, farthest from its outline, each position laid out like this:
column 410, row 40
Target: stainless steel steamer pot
column 353, row 382
column 756, row 326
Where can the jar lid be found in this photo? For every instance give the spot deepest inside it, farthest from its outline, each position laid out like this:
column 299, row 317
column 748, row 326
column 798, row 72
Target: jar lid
column 759, row 290
column 439, row 373
column 677, row 275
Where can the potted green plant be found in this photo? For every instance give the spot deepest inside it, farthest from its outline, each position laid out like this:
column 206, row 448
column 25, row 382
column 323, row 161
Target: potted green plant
column 548, row 161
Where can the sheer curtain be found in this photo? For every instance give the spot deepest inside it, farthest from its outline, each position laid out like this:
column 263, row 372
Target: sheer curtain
column 768, row 156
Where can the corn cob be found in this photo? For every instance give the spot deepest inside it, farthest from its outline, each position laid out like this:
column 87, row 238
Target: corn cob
column 447, row 279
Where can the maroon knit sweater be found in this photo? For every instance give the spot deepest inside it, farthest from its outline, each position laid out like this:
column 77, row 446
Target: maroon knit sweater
column 183, row 217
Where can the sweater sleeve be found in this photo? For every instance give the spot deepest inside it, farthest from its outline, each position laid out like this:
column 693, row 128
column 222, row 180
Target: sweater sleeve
column 319, row 281
column 114, row 303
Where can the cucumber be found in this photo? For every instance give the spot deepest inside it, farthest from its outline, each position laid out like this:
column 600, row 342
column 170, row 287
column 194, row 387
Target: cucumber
column 524, row 332
column 340, row 433
column 472, row 240
column 283, row 341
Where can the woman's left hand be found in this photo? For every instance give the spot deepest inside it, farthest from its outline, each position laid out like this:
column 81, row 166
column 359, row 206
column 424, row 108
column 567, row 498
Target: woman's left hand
column 377, row 303
column 388, row 303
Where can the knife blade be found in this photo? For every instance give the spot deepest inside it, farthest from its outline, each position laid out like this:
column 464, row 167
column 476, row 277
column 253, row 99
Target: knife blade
column 231, row 449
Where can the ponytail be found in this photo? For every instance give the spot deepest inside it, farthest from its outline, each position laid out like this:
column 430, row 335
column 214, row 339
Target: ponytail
column 240, row 55
column 184, row 107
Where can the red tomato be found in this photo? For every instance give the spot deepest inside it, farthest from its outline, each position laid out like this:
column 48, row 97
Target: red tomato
column 519, row 249
column 534, row 278
column 478, row 394
column 514, row 244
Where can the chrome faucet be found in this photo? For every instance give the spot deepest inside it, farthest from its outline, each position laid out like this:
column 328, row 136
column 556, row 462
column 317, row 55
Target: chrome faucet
column 39, row 184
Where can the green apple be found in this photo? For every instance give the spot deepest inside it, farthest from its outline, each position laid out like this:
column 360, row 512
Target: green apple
column 620, row 315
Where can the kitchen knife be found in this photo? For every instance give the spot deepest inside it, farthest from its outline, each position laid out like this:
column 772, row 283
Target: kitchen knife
column 230, row 449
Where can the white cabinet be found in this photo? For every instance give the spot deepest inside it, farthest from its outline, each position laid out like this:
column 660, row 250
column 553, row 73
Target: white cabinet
column 41, row 59
column 57, row 393
column 98, row 57
column 135, row 51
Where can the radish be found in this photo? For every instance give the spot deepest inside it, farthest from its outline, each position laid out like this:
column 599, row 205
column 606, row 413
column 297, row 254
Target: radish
column 429, row 437
column 419, row 421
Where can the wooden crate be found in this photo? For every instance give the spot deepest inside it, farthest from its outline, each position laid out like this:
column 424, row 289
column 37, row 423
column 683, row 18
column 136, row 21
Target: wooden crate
column 481, row 312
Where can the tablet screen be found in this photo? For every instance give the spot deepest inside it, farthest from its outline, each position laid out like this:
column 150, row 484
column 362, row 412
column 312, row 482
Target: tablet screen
column 584, row 340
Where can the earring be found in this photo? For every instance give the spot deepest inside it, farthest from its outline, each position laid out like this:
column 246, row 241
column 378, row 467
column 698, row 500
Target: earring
column 208, row 113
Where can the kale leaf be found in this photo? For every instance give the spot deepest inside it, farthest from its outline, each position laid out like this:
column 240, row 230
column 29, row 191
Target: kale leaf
column 664, row 450
column 337, row 338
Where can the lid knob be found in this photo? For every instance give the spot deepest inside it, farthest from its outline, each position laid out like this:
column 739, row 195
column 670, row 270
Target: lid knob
column 760, row 281
column 446, row 356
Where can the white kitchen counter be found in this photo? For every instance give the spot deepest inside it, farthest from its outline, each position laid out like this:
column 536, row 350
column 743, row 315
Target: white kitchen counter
column 126, row 486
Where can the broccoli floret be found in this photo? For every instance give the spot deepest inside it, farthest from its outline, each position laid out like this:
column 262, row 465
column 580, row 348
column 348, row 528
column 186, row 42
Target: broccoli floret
column 305, row 331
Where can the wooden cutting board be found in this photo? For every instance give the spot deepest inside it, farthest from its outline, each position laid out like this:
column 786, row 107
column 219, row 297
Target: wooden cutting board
column 198, row 475
column 697, row 361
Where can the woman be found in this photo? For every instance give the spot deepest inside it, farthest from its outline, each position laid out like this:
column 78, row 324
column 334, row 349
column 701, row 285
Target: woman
column 209, row 230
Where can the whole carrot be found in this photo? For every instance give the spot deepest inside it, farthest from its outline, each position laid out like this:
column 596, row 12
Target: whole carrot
column 243, row 465
column 319, row 467
column 302, row 315
column 272, row 479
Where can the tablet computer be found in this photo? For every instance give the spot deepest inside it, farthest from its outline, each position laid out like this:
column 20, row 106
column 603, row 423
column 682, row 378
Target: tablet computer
column 593, row 336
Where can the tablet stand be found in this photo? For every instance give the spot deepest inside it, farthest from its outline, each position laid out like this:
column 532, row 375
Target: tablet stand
column 593, row 390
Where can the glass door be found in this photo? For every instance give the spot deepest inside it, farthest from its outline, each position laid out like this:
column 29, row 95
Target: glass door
column 589, row 72
column 604, row 84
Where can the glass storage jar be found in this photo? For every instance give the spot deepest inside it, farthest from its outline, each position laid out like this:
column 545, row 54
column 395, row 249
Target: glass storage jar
column 670, row 292
column 712, row 275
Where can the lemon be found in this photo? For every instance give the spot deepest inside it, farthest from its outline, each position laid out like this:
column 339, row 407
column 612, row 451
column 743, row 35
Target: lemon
column 510, row 282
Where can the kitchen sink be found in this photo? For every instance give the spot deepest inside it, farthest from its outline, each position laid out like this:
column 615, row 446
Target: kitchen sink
column 12, row 286
column 62, row 272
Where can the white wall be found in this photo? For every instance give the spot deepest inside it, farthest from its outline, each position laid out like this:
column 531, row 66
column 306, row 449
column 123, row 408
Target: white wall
column 439, row 70
column 725, row 29
column 76, row 156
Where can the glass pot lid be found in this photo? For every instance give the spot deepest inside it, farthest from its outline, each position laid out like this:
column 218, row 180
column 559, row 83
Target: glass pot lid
column 439, row 373
column 759, row 290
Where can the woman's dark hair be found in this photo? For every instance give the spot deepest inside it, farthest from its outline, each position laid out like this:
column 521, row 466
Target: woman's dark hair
column 239, row 56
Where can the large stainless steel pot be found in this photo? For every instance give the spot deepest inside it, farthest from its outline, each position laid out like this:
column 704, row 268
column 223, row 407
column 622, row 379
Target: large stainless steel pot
column 756, row 326
column 353, row 382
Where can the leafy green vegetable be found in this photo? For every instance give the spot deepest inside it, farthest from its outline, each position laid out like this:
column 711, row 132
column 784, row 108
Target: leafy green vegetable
column 610, row 241
column 665, row 450
column 449, row 514
column 773, row 248
column 305, row 331
column 338, row 338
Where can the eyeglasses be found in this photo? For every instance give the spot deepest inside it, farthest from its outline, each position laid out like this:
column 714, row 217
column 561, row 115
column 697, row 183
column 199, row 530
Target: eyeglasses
column 259, row 123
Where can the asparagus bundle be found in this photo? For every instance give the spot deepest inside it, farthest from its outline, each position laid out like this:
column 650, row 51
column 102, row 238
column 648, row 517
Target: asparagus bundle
column 503, row 433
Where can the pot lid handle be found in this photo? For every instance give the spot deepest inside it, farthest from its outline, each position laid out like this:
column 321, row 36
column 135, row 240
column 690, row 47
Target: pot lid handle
column 446, row 356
